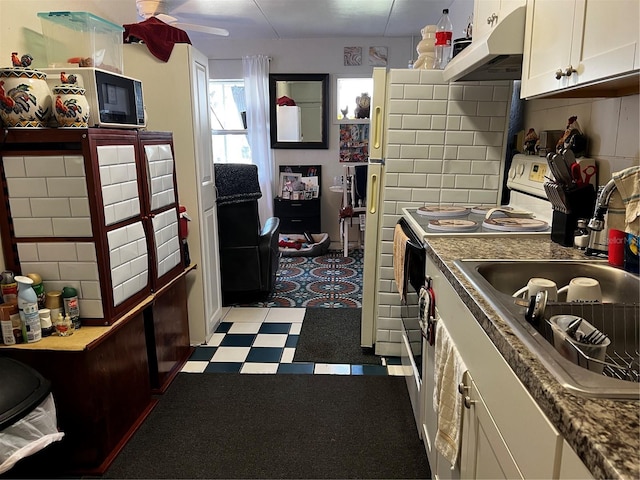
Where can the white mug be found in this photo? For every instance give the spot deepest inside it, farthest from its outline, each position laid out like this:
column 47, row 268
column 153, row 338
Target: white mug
column 583, row 289
column 537, row 284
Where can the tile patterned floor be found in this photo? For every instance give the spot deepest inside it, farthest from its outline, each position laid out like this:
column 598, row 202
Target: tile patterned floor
column 263, row 340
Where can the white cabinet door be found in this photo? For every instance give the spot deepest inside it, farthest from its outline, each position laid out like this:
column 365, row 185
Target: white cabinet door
column 549, row 33
column 484, row 452
column 570, row 43
column 610, row 40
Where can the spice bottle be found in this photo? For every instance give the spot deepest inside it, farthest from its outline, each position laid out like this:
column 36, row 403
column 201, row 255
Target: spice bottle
column 9, row 287
column 38, row 287
column 28, row 309
column 71, row 306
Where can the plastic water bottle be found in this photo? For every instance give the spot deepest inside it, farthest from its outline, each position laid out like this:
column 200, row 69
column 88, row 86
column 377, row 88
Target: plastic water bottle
column 443, row 46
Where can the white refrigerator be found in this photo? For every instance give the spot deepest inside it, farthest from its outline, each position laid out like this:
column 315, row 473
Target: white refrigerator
column 430, row 142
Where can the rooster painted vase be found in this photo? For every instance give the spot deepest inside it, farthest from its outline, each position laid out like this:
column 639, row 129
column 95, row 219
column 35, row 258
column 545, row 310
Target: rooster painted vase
column 25, row 98
column 70, row 106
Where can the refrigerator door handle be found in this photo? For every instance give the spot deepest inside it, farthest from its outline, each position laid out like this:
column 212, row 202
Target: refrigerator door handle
column 377, row 121
column 373, row 193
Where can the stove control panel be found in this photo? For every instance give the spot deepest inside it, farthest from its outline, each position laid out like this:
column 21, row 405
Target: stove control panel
column 528, row 174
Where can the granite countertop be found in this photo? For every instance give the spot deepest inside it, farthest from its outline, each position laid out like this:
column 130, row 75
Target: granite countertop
column 604, row 433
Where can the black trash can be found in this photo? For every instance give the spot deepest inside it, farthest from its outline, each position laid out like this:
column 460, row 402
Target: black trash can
column 27, row 413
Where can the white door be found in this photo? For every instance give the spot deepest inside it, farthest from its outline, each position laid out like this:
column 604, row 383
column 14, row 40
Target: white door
column 207, row 193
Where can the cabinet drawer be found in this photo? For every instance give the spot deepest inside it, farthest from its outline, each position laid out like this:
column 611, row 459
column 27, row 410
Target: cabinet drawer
column 296, row 208
column 299, row 224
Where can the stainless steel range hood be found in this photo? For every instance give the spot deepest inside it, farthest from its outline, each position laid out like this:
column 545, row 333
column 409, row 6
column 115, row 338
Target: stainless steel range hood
column 494, row 56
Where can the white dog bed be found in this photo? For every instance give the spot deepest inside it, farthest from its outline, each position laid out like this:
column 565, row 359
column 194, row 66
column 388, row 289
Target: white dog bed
column 319, row 247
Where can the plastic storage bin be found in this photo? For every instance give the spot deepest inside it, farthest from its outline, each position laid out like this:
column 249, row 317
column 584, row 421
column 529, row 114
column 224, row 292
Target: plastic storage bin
column 81, row 38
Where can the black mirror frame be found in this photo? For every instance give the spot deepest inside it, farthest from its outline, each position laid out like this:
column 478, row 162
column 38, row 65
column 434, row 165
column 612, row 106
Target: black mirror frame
column 292, row 77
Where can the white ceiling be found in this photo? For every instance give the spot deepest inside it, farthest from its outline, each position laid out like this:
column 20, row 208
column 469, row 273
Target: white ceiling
column 286, row 19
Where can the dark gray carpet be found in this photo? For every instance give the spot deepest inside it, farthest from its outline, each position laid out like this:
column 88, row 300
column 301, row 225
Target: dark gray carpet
column 277, row 426
column 332, row 336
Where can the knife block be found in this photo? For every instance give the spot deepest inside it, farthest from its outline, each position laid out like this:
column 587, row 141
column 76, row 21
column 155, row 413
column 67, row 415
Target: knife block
column 580, row 202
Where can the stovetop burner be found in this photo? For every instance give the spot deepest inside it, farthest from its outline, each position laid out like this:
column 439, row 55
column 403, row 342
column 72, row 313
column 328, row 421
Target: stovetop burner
column 446, row 211
column 453, row 225
column 507, row 224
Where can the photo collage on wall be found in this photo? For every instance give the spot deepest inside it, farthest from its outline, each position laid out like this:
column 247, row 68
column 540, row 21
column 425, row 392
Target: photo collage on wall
column 354, row 142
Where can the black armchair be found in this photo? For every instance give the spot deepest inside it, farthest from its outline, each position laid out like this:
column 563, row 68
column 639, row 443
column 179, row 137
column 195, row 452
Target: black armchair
column 249, row 253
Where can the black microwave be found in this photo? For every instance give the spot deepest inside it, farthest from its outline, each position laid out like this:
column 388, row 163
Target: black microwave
column 115, row 101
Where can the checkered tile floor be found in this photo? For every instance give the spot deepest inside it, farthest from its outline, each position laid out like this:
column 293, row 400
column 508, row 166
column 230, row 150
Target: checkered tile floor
column 263, row 340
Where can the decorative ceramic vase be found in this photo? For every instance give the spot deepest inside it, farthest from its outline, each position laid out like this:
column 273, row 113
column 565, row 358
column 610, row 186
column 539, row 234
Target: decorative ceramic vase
column 426, row 48
column 71, row 108
column 25, row 99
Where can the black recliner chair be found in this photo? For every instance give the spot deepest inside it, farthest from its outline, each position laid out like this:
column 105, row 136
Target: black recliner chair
column 249, row 253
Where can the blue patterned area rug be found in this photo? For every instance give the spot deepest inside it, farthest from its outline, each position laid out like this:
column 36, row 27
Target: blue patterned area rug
column 326, row 281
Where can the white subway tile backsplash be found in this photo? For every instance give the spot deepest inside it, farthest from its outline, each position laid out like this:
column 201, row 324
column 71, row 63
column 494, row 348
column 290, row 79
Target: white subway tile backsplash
column 441, row 92
column 393, row 193
column 488, row 138
column 396, row 92
column 20, row 207
column 415, row 122
column 401, row 136
column 28, row 252
column 66, row 187
column 79, row 207
column 457, row 166
column 91, row 290
column 448, row 181
column 456, row 91
column 57, row 252
column 13, row 166
column 50, row 207
column 434, row 181
column 419, row 92
column 486, row 167
column 126, row 153
column 459, row 138
column 495, row 153
column 491, row 182
column 627, row 138
column 487, row 197
column 450, row 152
column 432, row 107
column 475, row 123
column 394, row 121
column 119, row 173
column 107, row 155
column 401, row 165
column 478, row 93
column 412, row 180
column 426, row 195
column 90, row 308
column 430, row 137
column 438, row 122
column 120, row 274
column 428, row 166
column 86, row 252
column 436, row 152
column 404, row 76
column 454, row 122
column 74, row 165
column 502, row 93
column 498, row 124
column 472, row 153
column 469, row 181
column 79, row 270
column 462, row 108
column 52, row 166
column 32, row 227
column 403, row 106
column 454, row 196
column 72, row 227
column 47, row 270
column 495, row 109
column 25, row 187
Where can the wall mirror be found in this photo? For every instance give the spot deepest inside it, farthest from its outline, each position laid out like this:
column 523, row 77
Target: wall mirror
column 298, row 108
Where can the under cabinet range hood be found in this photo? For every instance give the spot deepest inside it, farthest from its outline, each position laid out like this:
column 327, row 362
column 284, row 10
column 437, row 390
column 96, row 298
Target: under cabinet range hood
column 496, row 55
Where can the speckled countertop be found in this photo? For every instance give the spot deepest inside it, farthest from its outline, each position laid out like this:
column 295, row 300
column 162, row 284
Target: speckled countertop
column 604, row 433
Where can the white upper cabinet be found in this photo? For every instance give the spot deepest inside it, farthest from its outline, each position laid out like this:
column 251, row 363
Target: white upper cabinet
column 573, row 43
column 488, row 13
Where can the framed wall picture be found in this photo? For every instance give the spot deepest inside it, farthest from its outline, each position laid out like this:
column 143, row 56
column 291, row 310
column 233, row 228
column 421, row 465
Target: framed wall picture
column 289, row 182
column 352, row 56
column 378, row 56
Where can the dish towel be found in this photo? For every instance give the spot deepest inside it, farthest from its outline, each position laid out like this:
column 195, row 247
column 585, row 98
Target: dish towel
column 399, row 250
column 447, row 401
column 628, row 184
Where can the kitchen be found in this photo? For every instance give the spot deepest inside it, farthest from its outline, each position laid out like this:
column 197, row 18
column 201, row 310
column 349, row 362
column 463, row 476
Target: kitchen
column 611, row 123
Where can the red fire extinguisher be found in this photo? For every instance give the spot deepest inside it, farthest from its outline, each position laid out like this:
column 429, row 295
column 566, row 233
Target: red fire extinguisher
column 184, row 232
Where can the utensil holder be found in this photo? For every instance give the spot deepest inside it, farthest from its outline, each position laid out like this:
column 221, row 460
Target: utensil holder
column 580, row 203
column 584, row 355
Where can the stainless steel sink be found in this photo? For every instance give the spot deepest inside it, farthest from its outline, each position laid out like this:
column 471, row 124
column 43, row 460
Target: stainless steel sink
column 618, row 317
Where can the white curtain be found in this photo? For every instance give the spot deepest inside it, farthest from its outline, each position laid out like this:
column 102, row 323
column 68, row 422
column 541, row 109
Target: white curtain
column 256, row 90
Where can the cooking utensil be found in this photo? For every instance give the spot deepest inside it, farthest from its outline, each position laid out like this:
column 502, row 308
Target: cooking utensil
column 556, row 195
column 573, row 328
column 595, row 337
column 563, row 170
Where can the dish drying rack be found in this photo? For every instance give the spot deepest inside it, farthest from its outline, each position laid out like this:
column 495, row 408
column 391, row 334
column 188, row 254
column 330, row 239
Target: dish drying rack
column 620, row 322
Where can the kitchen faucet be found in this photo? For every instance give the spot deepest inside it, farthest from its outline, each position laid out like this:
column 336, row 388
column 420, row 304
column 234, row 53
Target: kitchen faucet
column 597, row 222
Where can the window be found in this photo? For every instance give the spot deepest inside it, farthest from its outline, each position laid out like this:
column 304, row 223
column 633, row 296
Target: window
column 228, row 129
column 347, row 89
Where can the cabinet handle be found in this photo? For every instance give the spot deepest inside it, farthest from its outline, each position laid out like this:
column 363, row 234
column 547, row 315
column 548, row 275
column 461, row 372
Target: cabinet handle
column 492, row 19
column 373, row 194
column 468, row 402
column 567, row 73
column 462, row 388
column 377, row 118
column 296, row 204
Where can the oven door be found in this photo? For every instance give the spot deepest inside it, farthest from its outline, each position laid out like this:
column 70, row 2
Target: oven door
column 411, row 356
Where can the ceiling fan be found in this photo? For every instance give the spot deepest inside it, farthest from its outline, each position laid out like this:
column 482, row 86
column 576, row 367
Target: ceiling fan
column 159, row 9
